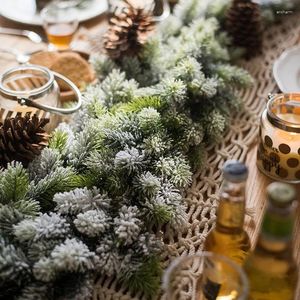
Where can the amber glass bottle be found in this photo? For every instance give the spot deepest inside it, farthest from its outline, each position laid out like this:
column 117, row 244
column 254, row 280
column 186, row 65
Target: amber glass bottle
column 229, row 237
column 271, row 268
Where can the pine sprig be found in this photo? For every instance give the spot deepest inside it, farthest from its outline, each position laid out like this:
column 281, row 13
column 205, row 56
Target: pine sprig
column 14, row 187
column 61, row 180
column 58, row 140
column 13, row 183
column 8, row 218
column 145, row 278
column 139, row 103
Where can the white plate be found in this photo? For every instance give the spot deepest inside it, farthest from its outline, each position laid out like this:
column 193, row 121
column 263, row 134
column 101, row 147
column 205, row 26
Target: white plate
column 286, row 70
column 24, row 11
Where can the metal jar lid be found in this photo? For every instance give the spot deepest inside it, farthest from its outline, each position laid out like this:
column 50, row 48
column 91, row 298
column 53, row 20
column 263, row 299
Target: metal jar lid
column 288, row 103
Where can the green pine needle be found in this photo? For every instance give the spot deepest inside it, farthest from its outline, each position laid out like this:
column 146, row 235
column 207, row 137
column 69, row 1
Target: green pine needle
column 146, row 278
column 14, row 183
column 158, row 215
column 61, row 180
column 27, row 206
column 8, row 218
column 58, row 140
column 88, row 179
column 142, row 102
column 197, row 156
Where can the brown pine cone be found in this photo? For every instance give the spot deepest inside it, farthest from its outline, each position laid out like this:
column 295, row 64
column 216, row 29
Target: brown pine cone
column 244, row 24
column 128, row 32
column 22, row 138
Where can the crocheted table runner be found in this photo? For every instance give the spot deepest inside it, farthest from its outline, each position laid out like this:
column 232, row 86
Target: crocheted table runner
column 202, row 198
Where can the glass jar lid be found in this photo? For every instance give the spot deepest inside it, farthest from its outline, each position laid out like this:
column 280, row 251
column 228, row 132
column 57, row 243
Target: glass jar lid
column 283, row 111
column 281, row 194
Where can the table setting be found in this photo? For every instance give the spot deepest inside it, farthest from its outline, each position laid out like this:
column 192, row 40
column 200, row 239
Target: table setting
column 149, row 149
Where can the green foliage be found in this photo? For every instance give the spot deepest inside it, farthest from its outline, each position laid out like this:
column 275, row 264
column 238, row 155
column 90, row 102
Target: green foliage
column 139, row 103
column 197, row 157
column 117, row 89
column 157, row 214
column 188, row 11
column 61, row 180
column 14, row 187
column 13, row 267
column 146, row 278
column 58, row 140
column 13, row 183
column 102, row 64
column 8, row 218
column 233, row 75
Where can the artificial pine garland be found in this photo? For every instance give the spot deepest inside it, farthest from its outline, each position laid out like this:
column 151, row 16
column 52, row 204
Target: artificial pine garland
column 94, row 202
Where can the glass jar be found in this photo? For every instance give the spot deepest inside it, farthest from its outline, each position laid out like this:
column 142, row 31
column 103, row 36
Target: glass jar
column 33, row 89
column 205, row 276
column 278, row 154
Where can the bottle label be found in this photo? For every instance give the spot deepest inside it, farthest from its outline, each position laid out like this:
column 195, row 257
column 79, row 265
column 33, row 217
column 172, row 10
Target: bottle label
column 278, row 227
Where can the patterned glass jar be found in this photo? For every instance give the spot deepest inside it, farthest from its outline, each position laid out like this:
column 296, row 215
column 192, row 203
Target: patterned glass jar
column 279, row 151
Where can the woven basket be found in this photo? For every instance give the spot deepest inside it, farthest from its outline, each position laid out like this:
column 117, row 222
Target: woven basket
column 202, row 198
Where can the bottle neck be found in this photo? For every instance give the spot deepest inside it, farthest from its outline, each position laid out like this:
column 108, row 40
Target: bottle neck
column 277, row 229
column 231, row 211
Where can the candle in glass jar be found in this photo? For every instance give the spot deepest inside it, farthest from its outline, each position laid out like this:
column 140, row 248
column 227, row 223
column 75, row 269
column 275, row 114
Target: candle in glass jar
column 279, row 149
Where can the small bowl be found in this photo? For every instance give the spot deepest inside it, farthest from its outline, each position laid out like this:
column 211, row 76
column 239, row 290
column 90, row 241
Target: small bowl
column 286, row 70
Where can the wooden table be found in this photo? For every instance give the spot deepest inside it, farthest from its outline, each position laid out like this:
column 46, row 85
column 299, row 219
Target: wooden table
column 257, row 181
column 257, row 184
column 24, row 45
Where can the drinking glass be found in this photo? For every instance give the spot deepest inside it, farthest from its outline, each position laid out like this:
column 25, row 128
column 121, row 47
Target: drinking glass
column 60, row 21
column 206, row 276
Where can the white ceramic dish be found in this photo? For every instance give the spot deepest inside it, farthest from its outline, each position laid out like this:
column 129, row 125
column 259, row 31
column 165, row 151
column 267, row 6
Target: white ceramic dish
column 286, row 70
column 24, row 11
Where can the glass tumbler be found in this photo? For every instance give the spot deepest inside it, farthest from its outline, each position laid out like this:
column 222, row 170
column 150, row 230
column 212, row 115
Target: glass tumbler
column 206, row 276
column 60, row 21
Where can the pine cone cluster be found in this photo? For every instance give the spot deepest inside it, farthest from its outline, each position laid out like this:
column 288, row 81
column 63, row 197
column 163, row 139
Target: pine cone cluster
column 22, row 138
column 128, row 32
column 244, row 24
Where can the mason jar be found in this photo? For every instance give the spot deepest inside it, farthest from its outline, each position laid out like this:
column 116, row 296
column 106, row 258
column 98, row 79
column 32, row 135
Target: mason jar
column 278, row 154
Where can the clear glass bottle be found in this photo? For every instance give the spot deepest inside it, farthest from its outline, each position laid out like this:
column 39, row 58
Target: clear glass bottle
column 229, row 237
column 271, row 268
